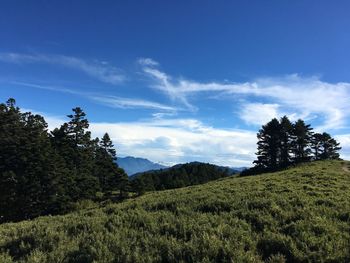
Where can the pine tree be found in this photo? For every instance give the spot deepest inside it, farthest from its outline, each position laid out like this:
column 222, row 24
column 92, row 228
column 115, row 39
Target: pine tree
column 27, row 171
column 315, row 145
column 286, row 129
column 301, row 141
column 106, row 168
column 42, row 173
column 83, row 156
column 329, row 147
column 73, row 143
column 269, row 142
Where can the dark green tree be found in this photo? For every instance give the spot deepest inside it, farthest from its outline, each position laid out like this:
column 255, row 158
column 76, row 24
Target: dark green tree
column 269, row 141
column 28, row 175
column 286, row 130
column 177, row 176
column 73, row 143
column 83, row 156
column 302, row 135
column 42, row 173
column 329, row 147
column 111, row 177
column 315, row 145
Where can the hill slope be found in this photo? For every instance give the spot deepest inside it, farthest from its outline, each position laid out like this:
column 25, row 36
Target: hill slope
column 180, row 175
column 298, row 215
column 133, row 165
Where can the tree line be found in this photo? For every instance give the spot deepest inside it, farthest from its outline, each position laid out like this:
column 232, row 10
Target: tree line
column 178, row 176
column 44, row 172
column 282, row 143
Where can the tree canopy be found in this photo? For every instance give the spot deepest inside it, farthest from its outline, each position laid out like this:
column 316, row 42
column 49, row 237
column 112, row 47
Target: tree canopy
column 282, row 143
column 44, row 172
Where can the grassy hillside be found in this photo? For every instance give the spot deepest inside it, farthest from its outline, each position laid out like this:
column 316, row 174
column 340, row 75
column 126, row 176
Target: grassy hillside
column 298, row 215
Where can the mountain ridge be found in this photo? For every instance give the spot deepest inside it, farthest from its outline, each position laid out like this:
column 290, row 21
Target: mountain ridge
column 133, row 165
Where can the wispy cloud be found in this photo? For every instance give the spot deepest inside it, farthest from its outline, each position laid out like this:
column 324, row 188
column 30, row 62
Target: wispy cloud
column 309, row 97
column 127, row 103
column 106, row 100
column 147, row 62
column 165, row 84
column 50, row 88
column 100, row 70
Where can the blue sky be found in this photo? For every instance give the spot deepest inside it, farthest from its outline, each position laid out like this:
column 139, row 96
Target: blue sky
column 177, row 81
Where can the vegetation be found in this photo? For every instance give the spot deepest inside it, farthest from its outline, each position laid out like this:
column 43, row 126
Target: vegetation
column 301, row 214
column 45, row 173
column 178, row 176
column 298, row 215
column 282, row 143
column 49, row 173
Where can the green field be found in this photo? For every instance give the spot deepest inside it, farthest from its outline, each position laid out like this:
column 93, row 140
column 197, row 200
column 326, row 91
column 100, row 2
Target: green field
column 298, row 215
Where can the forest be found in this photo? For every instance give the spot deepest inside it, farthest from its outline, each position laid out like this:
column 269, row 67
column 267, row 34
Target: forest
column 46, row 172
column 178, row 176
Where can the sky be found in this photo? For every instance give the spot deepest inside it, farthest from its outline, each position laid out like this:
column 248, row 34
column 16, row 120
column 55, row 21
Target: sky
column 180, row 81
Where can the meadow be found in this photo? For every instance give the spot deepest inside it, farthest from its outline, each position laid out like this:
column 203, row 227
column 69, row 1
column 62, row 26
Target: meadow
column 301, row 214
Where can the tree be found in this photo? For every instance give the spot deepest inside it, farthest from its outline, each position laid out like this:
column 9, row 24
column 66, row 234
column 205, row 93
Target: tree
column 28, row 174
column 329, row 147
column 73, row 142
column 286, row 130
column 283, row 143
column 106, row 169
column 42, row 173
column 315, row 145
column 177, row 176
column 301, row 141
column 269, row 141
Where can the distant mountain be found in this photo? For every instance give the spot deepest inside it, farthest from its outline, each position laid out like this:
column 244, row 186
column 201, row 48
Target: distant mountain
column 239, row 169
column 133, row 165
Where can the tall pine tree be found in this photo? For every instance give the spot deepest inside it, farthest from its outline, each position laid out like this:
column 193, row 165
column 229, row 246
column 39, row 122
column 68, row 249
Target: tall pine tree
column 286, row 130
column 302, row 136
column 269, row 141
column 106, row 169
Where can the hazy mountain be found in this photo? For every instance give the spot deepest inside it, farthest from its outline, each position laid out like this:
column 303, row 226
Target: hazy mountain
column 133, row 165
column 239, row 169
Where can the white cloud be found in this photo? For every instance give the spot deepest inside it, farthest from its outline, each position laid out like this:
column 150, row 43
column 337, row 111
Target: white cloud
column 181, row 140
column 307, row 97
column 259, row 113
column 131, row 103
column 344, row 140
column 100, row 70
column 174, row 141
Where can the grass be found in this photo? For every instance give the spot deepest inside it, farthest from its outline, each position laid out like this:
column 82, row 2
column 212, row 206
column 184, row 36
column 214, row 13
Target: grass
column 298, row 215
